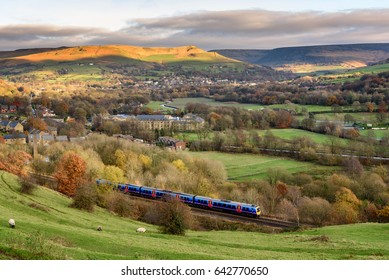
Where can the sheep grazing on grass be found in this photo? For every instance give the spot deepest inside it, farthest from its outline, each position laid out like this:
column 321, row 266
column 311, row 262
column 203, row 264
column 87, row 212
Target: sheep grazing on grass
column 11, row 223
column 141, row 229
column 100, row 228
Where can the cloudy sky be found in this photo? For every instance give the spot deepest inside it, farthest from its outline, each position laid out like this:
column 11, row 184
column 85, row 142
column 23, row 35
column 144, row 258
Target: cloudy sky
column 209, row 24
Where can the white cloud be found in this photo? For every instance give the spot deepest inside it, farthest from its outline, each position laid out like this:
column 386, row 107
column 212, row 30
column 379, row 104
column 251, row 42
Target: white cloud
column 210, row 30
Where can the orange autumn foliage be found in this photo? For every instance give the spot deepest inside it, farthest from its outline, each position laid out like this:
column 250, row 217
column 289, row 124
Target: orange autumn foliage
column 70, row 173
column 15, row 162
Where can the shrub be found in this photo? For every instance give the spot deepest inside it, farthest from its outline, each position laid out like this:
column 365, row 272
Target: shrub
column 27, row 186
column 315, row 211
column 175, row 217
column 85, row 198
column 120, row 204
column 383, row 214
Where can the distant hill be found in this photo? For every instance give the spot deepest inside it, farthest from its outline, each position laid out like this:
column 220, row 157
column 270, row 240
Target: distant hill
column 108, row 53
column 313, row 58
column 131, row 61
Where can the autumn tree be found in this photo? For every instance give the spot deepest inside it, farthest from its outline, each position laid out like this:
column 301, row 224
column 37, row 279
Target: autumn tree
column 314, row 210
column 37, row 123
column 70, row 173
column 382, row 107
column 146, row 161
column 180, row 165
column 383, row 214
column 113, row 173
column 121, row 159
column 352, row 166
column 61, row 108
column 369, row 107
column 80, row 115
column 287, row 210
column 15, row 162
column 283, row 119
column 346, row 207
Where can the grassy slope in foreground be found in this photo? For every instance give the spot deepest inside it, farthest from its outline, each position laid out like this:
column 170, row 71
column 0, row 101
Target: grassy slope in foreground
column 62, row 232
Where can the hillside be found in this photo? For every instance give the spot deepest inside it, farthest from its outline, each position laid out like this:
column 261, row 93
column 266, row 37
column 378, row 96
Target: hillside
column 313, row 58
column 47, row 228
column 128, row 63
column 106, row 54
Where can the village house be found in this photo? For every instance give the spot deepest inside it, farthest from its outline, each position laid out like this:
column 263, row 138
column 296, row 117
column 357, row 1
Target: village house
column 35, row 135
column 18, row 138
column 172, row 143
column 44, row 138
column 4, row 109
column 12, row 109
column 11, row 126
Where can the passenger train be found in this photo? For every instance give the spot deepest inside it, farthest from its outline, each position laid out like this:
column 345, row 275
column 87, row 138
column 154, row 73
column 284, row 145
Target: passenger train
column 192, row 200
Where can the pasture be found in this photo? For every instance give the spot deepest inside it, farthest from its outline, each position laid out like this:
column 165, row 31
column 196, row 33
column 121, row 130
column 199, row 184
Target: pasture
column 291, row 133
column 285, row 134
column 358, row 117
column 375, row 133
column 246, row 167
column 47, row 228
column 355, row 74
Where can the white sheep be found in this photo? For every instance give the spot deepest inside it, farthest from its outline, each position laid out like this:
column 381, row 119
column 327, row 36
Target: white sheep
column 141, row 229
column 11, row 223
column 100, row 228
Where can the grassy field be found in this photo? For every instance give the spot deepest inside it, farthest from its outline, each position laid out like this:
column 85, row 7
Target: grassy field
column 46, row 228
column 359, row 117
column 245, row 167
column 291, row 133
column 181, row 102
column 378, row 134
column 355, row 74
column 286, row 134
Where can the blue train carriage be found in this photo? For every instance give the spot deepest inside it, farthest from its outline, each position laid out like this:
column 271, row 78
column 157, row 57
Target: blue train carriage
column 133, row 189
column 250, row 210
column 228, row 206
column 203, row 202
column 183, row 197
column 150, row 192
column 122, row 187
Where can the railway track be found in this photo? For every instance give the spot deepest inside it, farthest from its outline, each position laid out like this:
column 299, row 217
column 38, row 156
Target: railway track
column 271, row 222
column 263, row 220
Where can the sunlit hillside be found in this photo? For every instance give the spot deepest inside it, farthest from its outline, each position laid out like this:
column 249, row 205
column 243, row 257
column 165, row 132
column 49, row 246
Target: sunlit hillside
column 159, row 55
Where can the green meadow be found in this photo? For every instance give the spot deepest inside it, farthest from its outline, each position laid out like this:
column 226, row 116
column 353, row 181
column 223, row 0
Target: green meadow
column 245, row 167
column 285, row 134
column 47, row 228
column 355, row 74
